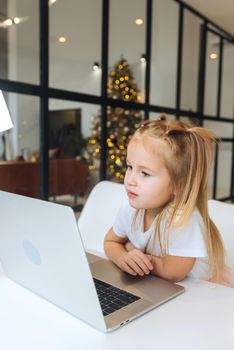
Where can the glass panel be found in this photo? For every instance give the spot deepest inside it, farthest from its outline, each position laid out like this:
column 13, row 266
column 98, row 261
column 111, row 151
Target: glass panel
column 75, row 44
column 19, row 147
column 194, row 121
column 190, row 61
column 71, row 176
column 127, row 40
column 211, row 181
column 221, row 129
column 19, row 41
column 224, row 170
column 164, row 53
column 227, row 101
column 211, row 79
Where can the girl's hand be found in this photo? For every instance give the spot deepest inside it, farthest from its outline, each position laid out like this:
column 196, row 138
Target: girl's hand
column 135, row 263
column 129, row 246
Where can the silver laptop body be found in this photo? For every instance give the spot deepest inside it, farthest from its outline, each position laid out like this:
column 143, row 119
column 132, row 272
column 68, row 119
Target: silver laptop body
column 41, row 249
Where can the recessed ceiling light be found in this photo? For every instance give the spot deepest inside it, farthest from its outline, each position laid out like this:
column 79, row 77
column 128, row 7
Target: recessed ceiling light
column 62, row 39
column 213, row 56
column 96, row 66
column 16, row 20
column 139, row 21
column 143, row 58
column 51, row 2
column 8, row 22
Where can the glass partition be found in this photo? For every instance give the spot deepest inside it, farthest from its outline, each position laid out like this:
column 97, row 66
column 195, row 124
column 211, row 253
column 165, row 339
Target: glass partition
column 227, row 96
column 164, row 53
column 211, row 81
column 224, row 173
column 73, row 173
column 19, row 147
column 19, row 41
column 190, row 59
column 127, row 41
column 75, row 45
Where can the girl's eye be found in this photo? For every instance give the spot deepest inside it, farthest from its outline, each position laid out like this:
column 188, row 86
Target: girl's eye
column 145, row 174
column 129, row 167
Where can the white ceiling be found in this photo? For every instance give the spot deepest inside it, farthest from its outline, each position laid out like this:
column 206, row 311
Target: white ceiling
column 219, row 11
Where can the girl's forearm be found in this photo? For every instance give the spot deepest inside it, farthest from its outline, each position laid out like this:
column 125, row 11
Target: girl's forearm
column 114, row 251
column 163, row 269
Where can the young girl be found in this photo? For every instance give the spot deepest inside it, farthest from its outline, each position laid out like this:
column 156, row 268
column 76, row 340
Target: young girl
column 165, row 229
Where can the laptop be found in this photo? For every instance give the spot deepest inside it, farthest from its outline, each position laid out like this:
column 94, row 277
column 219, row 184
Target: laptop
column 42, row 250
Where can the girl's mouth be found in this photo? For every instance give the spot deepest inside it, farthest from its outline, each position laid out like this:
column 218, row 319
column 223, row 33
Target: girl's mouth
column 131, row 195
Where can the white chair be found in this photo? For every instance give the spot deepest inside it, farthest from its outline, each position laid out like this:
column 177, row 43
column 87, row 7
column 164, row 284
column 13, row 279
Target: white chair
column 99, row 213
column 223, row 216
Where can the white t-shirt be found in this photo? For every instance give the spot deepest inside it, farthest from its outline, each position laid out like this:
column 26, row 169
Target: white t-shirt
column 187, row 241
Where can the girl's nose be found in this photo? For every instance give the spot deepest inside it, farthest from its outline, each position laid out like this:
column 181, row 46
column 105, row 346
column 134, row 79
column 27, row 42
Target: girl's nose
column 131, row 179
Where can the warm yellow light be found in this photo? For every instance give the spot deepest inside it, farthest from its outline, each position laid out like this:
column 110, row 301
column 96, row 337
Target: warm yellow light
column 97, row 150
column 92, row 142
column 213, row 56
column 8, row 22
column 51, row 2
column 112, row 157
column 126, row 77
column 121, row 79
column 16, row 20
column 139, row 98
column 139, row 21
column 120, row 66
column 118, row 161
column 117, row 82
column 126, row 97
column 62, row 39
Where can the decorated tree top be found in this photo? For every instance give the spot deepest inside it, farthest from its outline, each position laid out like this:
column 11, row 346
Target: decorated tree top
column 121, row 85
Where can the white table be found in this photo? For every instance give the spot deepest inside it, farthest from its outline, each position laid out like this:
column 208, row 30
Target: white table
column 201, row 318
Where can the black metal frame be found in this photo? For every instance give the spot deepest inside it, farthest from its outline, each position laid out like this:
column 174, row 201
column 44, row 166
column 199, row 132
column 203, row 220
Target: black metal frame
column 44, row 92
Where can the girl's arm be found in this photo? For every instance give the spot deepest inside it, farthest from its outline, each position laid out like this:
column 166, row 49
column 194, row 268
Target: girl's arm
column 173, row 268
column 132, row 261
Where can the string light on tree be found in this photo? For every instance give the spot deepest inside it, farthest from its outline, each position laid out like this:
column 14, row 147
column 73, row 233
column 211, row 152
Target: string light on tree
column 121, row 123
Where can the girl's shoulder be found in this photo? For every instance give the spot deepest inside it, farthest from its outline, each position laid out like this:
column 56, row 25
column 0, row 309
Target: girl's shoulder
column 126, row 209
column 194, row 220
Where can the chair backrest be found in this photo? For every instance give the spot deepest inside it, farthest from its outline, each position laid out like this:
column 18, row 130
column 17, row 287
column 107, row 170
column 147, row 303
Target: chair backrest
column 222, row 215
column 99, row 213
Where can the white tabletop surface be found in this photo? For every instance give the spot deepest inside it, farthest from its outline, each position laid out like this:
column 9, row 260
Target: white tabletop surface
column 201, row 318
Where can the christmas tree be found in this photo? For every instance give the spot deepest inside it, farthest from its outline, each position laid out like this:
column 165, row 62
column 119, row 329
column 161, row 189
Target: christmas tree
column 121, row 123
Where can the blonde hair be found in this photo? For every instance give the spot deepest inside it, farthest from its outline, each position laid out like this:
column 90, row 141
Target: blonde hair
column 188, row 163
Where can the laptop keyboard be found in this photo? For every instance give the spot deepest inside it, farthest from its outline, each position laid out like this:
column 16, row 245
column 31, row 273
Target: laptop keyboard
column 112, row 298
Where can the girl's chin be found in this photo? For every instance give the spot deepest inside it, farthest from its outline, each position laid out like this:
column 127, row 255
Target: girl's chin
column 134, row 204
